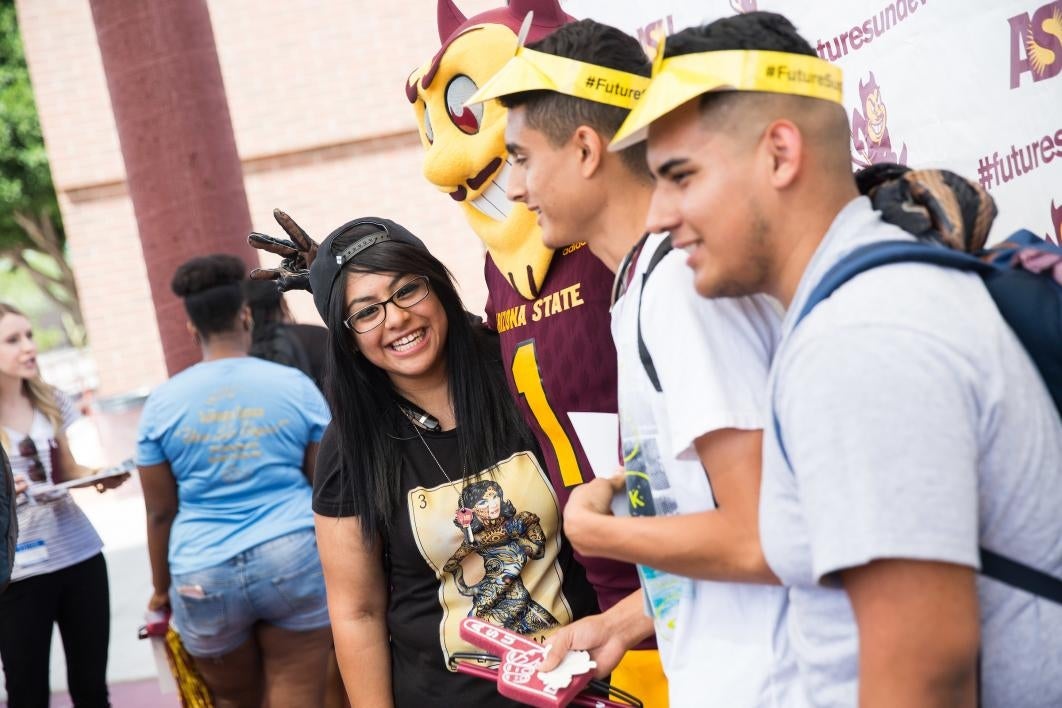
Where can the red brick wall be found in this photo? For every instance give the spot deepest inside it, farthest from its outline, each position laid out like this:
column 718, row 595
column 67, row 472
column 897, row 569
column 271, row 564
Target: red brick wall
column 322, row 128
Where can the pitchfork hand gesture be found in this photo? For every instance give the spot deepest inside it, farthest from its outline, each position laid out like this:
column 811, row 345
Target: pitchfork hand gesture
column 298, row 253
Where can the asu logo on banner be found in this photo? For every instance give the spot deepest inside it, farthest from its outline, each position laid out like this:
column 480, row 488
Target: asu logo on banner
column 647, row 35
column 871, row 143
column 1036, row 44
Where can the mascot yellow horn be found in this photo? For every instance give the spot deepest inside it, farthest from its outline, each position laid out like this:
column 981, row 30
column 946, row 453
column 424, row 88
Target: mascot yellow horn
column 465, row 147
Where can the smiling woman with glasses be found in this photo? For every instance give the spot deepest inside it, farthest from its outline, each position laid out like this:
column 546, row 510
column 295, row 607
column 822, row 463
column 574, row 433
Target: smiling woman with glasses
column 368, row 318
column 421, row 414
column 59, row 576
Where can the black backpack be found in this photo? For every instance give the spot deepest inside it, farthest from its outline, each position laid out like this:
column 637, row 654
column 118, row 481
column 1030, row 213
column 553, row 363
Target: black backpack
column 1031, row 303
column 278, row 344
column 8, row 520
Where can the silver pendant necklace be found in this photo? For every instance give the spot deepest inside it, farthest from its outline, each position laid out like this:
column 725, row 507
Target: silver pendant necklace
column 464, row 515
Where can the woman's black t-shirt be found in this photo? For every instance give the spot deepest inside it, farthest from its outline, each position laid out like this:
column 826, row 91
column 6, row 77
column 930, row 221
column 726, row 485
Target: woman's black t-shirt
column 518, row 572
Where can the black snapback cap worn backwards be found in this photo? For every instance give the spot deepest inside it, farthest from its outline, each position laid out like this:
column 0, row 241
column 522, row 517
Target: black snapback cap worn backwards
column 326, row 266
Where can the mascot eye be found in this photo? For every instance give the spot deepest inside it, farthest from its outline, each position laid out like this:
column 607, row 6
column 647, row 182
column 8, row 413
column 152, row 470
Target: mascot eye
column 428, row 132
column 459, row 90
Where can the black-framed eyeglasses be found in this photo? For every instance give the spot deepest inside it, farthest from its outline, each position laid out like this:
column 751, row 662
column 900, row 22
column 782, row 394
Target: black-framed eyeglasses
column 28, row 449
column 372, row 316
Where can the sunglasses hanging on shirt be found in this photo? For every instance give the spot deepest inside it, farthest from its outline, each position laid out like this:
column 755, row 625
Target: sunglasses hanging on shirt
column 28, row 450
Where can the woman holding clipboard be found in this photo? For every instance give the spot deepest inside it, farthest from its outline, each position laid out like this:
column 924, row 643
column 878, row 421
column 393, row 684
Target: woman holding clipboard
column 59, row 576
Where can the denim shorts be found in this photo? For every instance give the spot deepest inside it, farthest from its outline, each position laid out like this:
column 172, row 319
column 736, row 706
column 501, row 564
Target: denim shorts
column 279, row 582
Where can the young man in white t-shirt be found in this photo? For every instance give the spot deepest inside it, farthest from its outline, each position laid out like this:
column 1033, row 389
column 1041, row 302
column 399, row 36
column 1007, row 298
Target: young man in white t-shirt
column 916, row 427
column 691, row 438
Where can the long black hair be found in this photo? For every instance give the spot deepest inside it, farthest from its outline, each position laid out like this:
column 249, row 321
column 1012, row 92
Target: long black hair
column 365, row 404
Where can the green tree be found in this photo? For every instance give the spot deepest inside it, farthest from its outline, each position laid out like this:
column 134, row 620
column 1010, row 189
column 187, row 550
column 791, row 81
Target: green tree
column 31, row 228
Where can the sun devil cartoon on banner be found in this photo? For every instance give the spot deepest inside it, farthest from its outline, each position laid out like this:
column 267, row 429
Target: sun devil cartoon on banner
column 871, row 143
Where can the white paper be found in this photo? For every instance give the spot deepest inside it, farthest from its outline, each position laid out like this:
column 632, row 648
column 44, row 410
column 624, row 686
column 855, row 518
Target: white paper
column 599, row 435
column 575, row 663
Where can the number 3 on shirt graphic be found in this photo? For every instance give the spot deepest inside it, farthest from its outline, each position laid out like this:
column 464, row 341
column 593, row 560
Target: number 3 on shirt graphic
column 528, row 381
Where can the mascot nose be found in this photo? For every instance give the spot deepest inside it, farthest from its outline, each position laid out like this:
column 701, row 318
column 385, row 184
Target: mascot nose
column 446, row 165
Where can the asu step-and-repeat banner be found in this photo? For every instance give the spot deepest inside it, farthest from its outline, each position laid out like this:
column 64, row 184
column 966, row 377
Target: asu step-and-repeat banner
column 975, row 87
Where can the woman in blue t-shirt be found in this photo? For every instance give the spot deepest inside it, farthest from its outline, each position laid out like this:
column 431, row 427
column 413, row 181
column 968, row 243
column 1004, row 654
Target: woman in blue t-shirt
column 226, row 451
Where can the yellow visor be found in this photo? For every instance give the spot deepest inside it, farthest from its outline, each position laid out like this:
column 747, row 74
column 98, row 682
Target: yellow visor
column 682, row 78
column 532, row 70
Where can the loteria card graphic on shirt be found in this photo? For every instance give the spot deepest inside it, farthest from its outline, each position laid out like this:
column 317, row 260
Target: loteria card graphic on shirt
column 494, row 549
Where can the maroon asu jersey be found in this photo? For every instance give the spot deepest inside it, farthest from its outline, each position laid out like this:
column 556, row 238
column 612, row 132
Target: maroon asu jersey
column 559, row 358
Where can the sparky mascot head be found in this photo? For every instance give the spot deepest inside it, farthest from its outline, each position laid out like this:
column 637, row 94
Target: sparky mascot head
column 465, row 147
column 873, row 110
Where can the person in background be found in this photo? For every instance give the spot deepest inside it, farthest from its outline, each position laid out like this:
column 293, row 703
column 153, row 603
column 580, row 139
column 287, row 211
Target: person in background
column 59, row 576
column 226, row 453
column 275, row 337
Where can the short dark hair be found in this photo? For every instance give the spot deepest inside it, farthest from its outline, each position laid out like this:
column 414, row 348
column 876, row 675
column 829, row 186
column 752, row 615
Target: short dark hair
column 766, row 31
column 750, row 30
column 210, row 288
column 557, row 115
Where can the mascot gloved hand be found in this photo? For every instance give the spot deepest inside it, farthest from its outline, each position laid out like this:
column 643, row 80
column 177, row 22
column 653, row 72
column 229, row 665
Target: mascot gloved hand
column 297, row 254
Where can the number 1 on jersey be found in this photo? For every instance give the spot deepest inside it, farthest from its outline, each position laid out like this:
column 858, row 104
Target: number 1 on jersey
column 529, row 384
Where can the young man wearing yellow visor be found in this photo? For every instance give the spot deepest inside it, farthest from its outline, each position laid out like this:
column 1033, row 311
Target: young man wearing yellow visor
column 692, row 383
column 915, row 427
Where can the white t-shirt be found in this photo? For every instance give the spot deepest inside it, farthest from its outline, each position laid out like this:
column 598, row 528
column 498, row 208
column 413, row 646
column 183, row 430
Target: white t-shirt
column 721, row 643
column 917, row 428
column 52, row 535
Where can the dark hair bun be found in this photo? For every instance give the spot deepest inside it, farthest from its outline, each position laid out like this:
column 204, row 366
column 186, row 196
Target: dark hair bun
column 205, row 272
